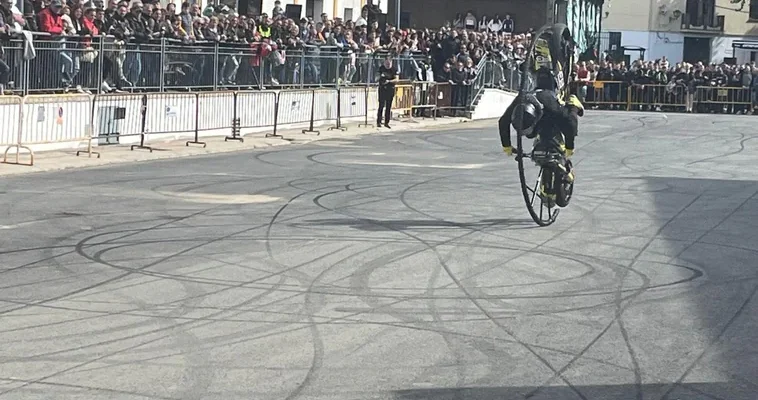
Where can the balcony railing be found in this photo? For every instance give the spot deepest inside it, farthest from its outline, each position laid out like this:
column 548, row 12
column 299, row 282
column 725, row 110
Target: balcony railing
column 693, row 22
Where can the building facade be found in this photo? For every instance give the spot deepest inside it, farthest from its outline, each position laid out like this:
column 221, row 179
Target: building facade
column 711, row 31
column 582, row 16
column 344, row 9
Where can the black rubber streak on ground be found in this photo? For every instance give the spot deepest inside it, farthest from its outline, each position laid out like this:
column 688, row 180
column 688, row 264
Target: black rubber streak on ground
column 323, row 275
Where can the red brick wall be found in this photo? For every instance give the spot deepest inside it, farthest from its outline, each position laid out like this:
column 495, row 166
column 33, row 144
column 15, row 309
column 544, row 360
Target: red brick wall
column 433, row 13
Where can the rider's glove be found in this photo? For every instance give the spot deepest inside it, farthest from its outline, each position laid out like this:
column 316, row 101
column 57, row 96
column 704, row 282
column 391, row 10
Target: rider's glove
column 569, row 152
column 573, row 101
column 508, row 150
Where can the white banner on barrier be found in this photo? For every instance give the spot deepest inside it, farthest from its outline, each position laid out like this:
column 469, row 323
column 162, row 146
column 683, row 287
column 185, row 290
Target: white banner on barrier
column 216, row 110
column 63, row 121
column 56, row 119
column 352, row 102
column 295, row 106
column 117, row 118
column 325, row 105
column 256, row 109
column 10, row 113
column 170, row 113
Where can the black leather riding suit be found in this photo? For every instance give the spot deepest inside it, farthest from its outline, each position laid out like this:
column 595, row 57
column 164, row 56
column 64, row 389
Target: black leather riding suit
column 555, row 119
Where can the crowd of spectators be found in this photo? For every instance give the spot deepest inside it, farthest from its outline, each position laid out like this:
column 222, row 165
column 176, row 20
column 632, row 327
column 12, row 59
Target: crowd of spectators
column 271, row 49
column 665, row 86
column 268, row 49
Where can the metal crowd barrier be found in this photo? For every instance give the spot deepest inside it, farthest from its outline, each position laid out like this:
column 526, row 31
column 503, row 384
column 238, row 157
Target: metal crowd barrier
column 85, row 122
column 708, row 98
column 677, row 97
column 95, row 63
column 656, row 96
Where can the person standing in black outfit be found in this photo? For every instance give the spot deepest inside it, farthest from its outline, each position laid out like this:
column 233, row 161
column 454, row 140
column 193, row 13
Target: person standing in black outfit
column 388, row 76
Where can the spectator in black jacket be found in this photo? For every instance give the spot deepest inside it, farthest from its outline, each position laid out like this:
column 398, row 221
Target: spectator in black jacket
column 444, row 75
column 459, row 77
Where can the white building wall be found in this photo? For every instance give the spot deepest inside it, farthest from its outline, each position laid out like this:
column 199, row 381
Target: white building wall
column 665, row 44
column 325, row 6
column 744, row 56
column 721, row 47
column 671, row 45
column 656, row 44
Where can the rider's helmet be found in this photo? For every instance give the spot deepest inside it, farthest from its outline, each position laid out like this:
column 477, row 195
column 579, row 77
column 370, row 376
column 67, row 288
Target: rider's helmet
column 526, row 114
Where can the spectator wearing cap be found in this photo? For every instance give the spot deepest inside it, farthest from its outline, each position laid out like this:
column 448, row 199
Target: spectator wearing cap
column 137, row 25
column 52, row 21
column 51, row 18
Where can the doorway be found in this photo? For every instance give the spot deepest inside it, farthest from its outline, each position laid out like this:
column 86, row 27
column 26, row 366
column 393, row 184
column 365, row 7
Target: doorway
column 697, row 49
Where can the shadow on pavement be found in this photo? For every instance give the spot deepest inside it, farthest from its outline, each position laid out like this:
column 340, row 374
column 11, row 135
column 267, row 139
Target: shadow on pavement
column 405, row 224
column 690, row 391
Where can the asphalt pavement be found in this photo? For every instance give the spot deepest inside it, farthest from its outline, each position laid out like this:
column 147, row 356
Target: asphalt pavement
column 394, row 266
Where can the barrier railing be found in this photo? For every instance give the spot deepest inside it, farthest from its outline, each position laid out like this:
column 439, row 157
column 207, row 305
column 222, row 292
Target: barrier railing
column 656, row 96
column 73, row 121
column 709, row 99
column 671, row 97
column 69, row 121
column 12, row 114
column 599, row 93
column 37, row 122
column 97, row 64
column 403, row 100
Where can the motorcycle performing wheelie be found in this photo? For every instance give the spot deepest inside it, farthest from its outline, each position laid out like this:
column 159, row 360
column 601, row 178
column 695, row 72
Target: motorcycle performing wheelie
column 546, row 111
